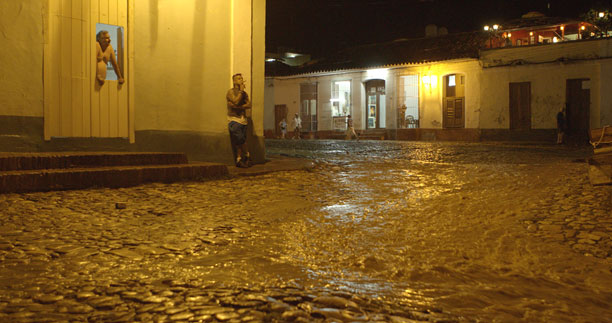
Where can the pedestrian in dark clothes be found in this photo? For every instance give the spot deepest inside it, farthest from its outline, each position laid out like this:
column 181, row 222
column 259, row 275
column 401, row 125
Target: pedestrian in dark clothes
column 561, row 125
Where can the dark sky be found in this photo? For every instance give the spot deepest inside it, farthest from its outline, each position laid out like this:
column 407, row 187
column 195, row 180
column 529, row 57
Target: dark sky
column 321, row 26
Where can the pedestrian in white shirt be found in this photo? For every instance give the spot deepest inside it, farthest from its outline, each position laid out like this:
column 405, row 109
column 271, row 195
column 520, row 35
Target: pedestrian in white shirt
column 297, row 126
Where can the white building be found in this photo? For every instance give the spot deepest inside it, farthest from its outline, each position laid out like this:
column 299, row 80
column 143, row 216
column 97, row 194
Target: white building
column 450, row 88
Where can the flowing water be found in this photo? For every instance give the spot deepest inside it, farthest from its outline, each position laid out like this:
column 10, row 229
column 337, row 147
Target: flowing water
column 476, row 232
column 440, row 226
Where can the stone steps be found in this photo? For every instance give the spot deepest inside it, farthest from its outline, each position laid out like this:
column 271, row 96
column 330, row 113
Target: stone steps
column 25, row 161
column 30, row 172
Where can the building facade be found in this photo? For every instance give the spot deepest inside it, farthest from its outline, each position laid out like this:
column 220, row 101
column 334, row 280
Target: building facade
column 509, row 93
column 177, row 58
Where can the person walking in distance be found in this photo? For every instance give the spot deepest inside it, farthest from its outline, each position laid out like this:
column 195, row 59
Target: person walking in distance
column 350, row 130
column 297, row 126
column 283, row 128
column 237, row 103
column 561, row 125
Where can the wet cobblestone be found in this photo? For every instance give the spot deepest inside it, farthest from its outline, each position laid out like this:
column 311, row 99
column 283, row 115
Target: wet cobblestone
column 378, row 231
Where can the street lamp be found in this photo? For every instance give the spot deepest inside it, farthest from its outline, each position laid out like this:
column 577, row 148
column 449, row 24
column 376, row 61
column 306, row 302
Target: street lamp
column 493, row 32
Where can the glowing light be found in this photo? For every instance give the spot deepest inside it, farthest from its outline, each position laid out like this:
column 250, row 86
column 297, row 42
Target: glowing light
column 601, row 14
column 531, row 33
column 555, row 39
column 582, row 27
column 380, row 73
column 509, row 35
column 430, row 80
column 562, row 27
column 270, row 59
column 495, row 27
column 434, row 81
column 486, row 28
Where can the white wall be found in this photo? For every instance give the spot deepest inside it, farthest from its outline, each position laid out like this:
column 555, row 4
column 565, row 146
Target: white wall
column 548, row 86
column 186, row 52
column 182, row 64
column 547, row 68
column 21, row 58
column 287, row 91
column 431, row 96
column 487, row 89
column 268, row 118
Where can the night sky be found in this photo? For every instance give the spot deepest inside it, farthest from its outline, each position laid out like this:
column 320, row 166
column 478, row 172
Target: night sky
column 322, row 26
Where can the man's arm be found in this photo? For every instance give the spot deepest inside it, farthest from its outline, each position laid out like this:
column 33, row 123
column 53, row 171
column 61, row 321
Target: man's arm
column 233, row 100
column 113, row 60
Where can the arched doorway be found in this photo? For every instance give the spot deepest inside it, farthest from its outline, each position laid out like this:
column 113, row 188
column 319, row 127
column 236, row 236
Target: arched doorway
column 454, row 101
column 375, row 104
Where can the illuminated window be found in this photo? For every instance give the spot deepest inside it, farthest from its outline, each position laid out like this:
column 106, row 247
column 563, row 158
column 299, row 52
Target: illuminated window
column 409, row 101
column 451, row 80
column 341, row 98
column 116, row 36
column 450, row 85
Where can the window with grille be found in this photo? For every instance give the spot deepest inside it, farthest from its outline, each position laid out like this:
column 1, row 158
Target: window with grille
column 308, row 106
column 408, row 109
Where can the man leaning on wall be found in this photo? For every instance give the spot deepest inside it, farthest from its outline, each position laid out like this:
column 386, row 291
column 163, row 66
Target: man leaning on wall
column 237, row 103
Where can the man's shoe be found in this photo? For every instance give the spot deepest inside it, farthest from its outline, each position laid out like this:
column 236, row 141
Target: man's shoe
column 241, row 163
column 248, row 162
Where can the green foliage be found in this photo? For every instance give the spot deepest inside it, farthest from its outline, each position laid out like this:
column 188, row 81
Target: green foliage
column 602, row 23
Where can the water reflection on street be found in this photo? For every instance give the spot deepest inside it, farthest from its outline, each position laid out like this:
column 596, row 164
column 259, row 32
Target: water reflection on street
column 445, row 225
column 377, row 231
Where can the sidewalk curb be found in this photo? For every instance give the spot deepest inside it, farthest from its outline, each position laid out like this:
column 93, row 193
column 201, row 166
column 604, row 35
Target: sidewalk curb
column 273, row 164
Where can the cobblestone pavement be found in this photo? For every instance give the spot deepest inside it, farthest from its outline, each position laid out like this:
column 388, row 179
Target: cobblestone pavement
column 377, row 231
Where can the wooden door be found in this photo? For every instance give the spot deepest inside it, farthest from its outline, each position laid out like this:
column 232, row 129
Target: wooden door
column 280, row 113
column 578, row 105
column 75, row 104
column 454, row 101
column 520, row 106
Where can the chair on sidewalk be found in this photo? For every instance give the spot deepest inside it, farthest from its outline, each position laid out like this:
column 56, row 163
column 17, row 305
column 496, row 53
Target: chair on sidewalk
column 411, row 122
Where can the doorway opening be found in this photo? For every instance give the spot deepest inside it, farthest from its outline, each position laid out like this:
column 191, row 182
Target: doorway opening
column 375, row 104
column 454, row 101
column 280, row 113
column 520, row 106
column 578, row 104
column 308, row 106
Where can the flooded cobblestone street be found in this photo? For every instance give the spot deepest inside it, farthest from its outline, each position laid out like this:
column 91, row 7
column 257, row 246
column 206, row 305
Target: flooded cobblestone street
column 377, row 231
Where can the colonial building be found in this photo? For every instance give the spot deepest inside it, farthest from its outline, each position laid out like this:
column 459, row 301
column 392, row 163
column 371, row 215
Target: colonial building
column 452, row 87
column 177, row 58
